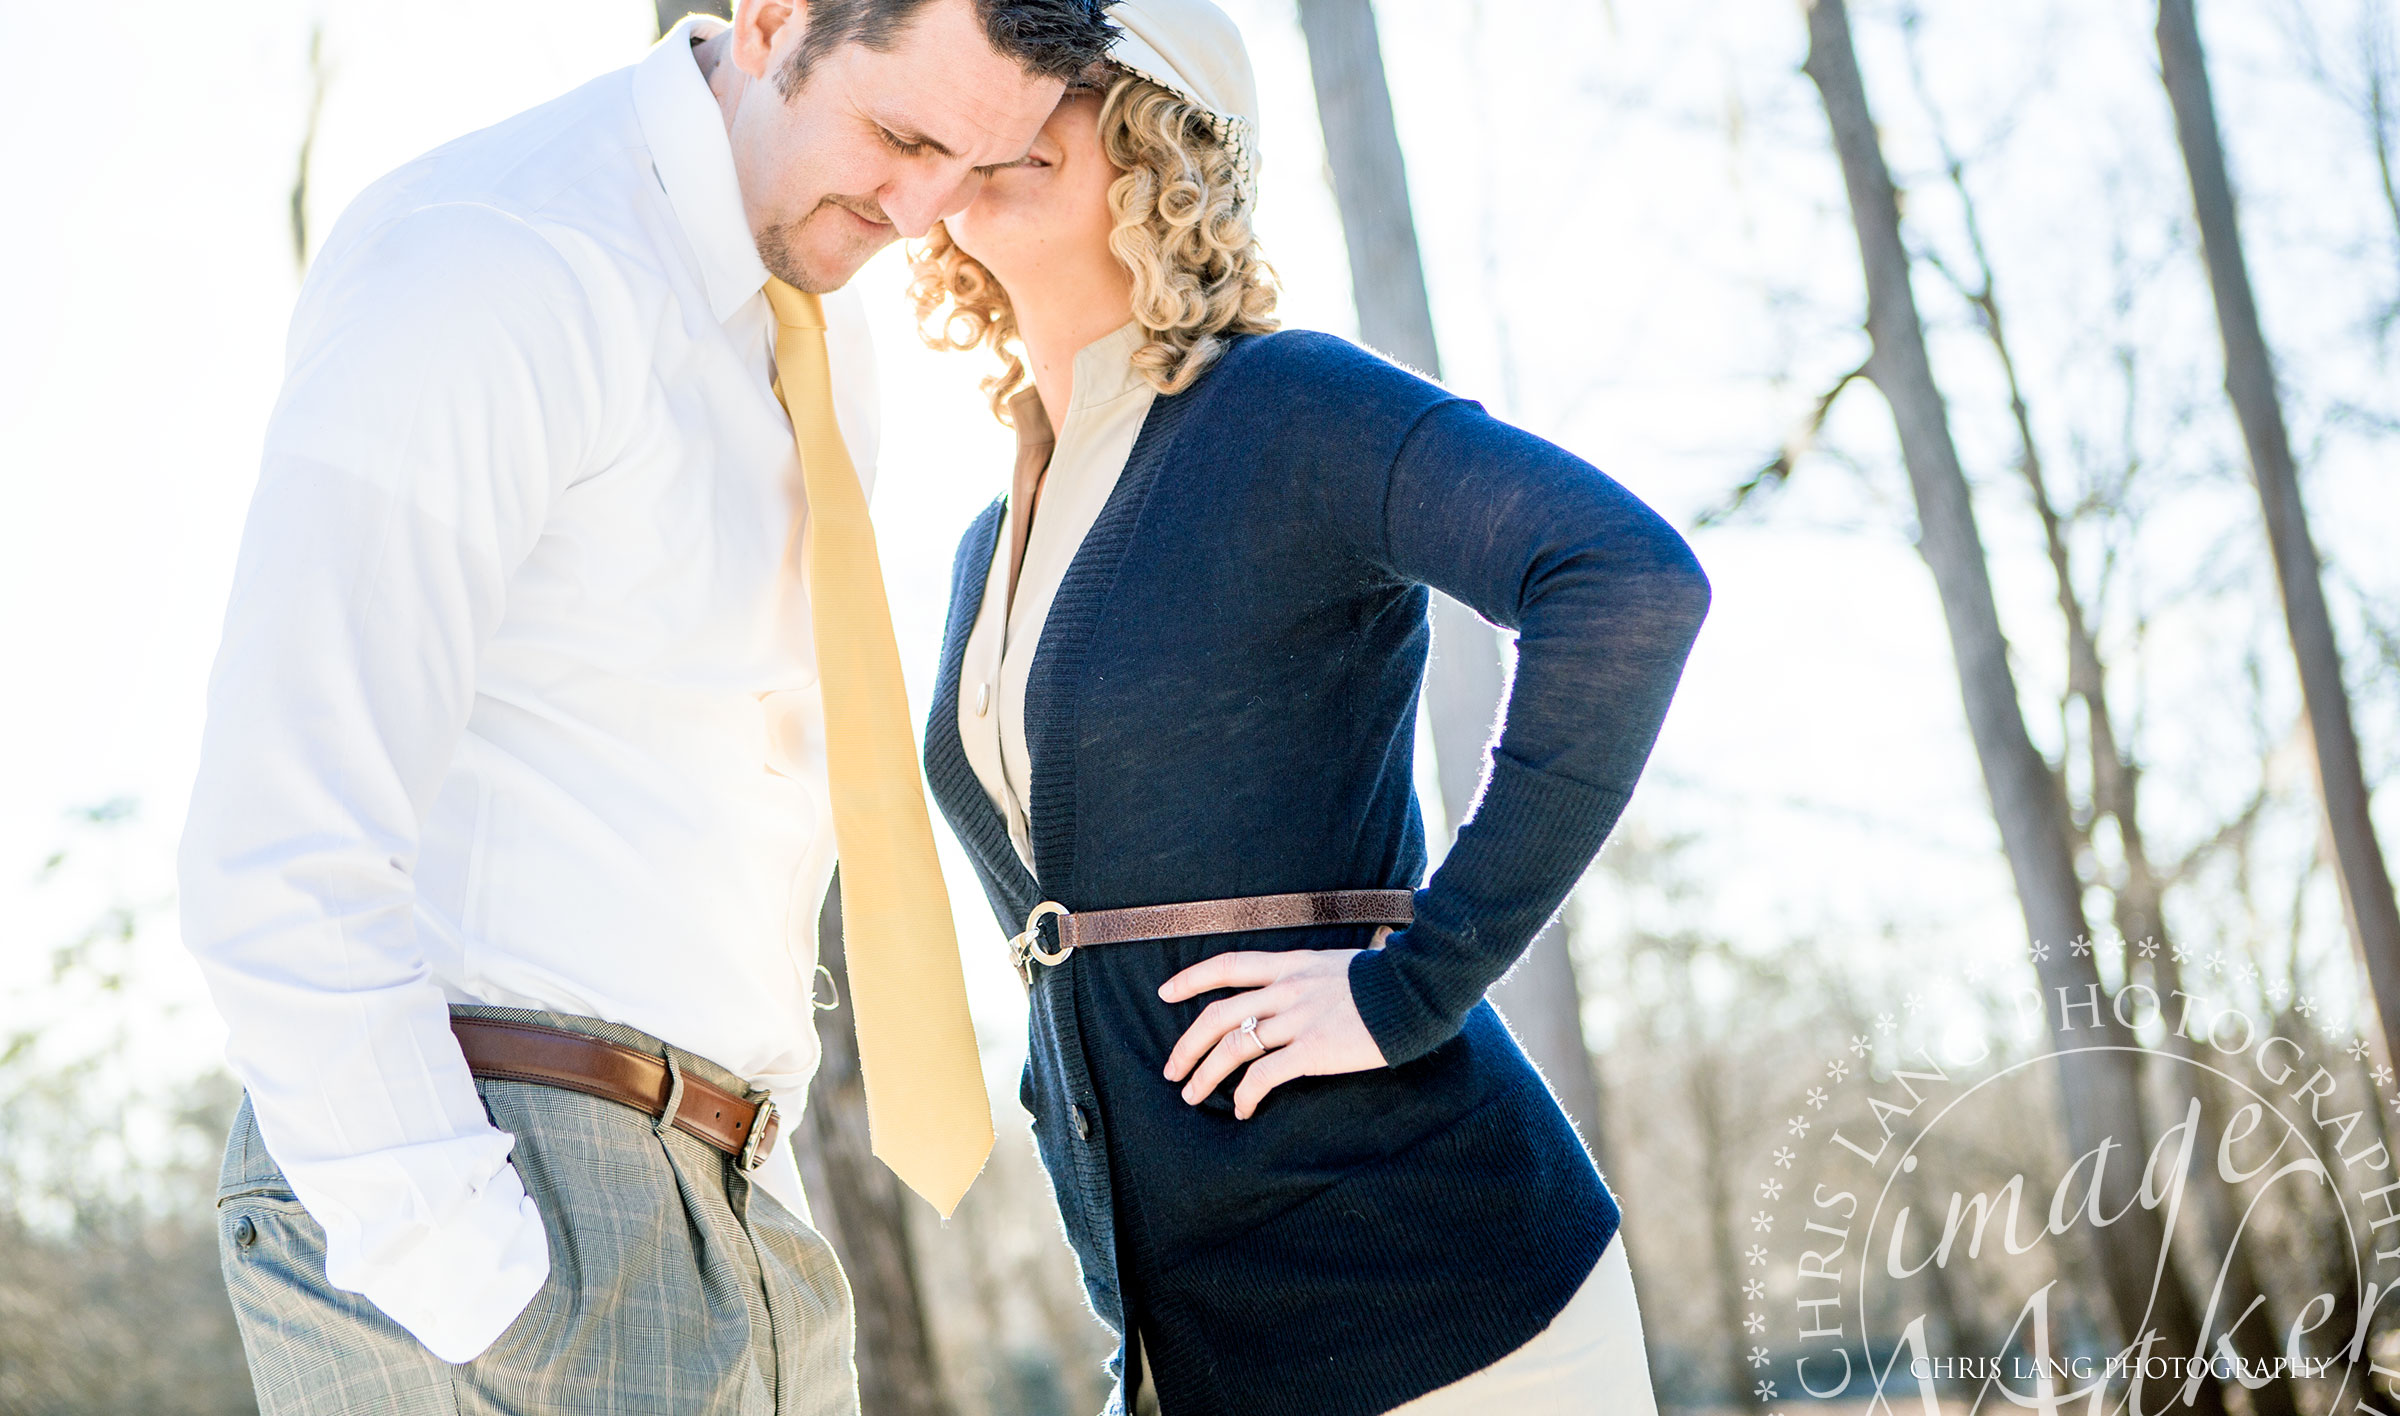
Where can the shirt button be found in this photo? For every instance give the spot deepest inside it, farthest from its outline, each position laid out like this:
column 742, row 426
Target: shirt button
column 244, row 1232
column 983, row 699
column 1083, row 1124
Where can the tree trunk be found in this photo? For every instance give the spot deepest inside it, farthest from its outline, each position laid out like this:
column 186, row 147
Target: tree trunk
column 2099, row 1088
column 859, row 1208
column 2367, row 900
column 1719, row 1136
column 1370, row 181
column 1463, row 683
column 2139, row 897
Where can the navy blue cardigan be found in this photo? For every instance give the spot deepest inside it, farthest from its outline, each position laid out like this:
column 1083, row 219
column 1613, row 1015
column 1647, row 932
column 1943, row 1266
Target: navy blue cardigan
column 1223, row 702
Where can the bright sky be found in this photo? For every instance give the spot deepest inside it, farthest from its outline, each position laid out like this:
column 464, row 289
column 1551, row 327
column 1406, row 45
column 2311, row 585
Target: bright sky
column 1636, row 246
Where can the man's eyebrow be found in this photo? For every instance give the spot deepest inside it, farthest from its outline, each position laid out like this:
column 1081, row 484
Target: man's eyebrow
column 910, row 134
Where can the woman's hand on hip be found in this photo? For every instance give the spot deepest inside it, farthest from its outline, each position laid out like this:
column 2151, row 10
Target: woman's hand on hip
column 1308, row 1025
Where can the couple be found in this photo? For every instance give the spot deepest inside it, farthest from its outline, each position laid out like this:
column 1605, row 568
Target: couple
column 558, row 659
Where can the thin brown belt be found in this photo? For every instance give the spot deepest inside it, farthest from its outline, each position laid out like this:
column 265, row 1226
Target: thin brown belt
column 1080, row 929
column 555, row 1057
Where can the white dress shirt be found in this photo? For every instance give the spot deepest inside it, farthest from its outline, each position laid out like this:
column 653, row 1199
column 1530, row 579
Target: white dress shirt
column 515, row 702
column 1105, row 412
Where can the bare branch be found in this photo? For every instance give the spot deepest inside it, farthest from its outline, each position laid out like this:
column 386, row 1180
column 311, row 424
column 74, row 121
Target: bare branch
column 1779, row 467
column 317, row 76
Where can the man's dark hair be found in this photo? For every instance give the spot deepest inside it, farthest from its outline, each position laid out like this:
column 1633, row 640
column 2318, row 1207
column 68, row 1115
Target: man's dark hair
column 1052, row 39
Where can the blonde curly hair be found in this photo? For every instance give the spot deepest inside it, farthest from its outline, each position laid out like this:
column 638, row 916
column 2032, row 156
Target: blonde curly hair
column 1182, row 215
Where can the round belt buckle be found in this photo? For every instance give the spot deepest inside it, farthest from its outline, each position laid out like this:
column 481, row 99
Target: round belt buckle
column 1029, row 944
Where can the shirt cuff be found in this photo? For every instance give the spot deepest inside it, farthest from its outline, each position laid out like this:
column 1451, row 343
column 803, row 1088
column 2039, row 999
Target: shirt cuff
column 1512, row 866
column 456, row 1285
column 1404, row 1025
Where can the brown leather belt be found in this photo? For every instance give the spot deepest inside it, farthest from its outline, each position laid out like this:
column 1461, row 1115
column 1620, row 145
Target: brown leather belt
column 555, row 1057
column 1082, row 929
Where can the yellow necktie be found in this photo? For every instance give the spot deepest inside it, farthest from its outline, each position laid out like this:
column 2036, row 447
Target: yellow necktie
column 928, row 1115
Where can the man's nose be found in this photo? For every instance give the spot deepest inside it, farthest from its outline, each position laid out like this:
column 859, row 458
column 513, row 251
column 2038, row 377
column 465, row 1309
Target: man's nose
column 915, row 206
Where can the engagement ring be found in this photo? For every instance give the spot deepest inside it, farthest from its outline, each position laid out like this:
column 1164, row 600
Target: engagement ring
column 1250, row 1031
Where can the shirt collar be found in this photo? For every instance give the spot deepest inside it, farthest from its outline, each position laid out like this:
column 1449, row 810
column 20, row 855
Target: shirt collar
column 1034, row 433
column 688, row 149
column 1104, row 372
column 1104, row 368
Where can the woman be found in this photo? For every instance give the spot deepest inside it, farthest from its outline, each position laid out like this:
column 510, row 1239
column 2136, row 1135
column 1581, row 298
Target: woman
column 1302, row 1163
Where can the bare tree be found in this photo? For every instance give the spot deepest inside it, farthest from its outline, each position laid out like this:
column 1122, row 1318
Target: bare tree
column 110, row 1294
column 1370, row 180
column 2368, row 904
column 1464, row 682
column 2373, row 97
column 2099, row 1084
column 2138, row 889
column 862, row 1208
column 1721, row 1045
column 1723, row 1119
column 317, row 77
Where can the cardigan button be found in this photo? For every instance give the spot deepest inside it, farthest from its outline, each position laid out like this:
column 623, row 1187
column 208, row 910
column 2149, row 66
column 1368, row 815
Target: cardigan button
column 1083, row 1123
column 983, row 699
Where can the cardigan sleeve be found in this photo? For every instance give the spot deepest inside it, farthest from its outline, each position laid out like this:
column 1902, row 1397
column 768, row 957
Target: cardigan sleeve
column 1607, row 599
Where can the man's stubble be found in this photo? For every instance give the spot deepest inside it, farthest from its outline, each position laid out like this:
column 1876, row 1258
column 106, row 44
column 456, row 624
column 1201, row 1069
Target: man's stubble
column 780, row 244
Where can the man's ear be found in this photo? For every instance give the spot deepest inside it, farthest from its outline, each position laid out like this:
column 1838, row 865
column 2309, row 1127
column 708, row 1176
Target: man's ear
column 758, row 25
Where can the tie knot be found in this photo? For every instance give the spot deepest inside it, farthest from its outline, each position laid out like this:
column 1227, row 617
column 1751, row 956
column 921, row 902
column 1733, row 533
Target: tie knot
column 794, row 307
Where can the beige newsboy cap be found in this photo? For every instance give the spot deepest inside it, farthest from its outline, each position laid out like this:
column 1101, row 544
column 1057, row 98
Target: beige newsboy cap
column 1195, row 49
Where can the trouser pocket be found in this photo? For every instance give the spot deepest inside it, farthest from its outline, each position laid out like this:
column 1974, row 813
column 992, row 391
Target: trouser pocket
column 313, row 1349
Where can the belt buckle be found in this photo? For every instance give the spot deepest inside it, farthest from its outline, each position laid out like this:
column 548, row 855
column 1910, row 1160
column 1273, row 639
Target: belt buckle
column 762, row 1133
column 1028, row 945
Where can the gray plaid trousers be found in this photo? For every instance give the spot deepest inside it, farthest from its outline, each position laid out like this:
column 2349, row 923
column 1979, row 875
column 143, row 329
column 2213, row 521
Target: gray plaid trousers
column 676, row 1287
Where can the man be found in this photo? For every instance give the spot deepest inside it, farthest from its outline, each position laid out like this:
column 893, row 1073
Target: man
column 515, row 805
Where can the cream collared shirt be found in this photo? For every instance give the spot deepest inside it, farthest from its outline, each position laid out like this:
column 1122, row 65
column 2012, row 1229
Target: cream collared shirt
column 1104, row 417
column 515, row 703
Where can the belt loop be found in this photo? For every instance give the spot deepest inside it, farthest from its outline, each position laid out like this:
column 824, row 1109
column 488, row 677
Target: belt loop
column 666, row 1118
